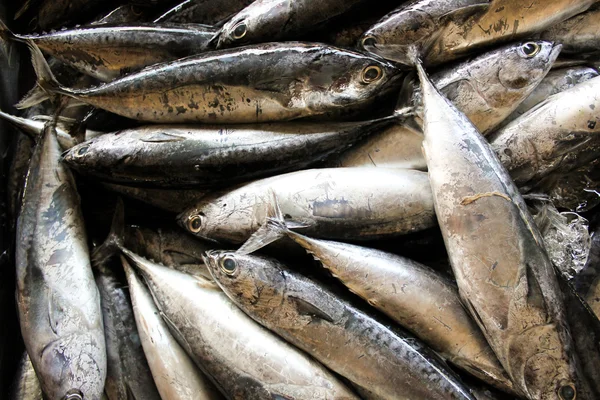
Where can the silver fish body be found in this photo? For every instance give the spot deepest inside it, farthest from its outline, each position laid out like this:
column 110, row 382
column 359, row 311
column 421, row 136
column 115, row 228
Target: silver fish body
column 26, row 385
column 57, row 298
column 579, row 35
column 267, row 82
column 387, row 363
column 171, row 200
column 245, row 360
column 503, row 273
column 335, row 203
column 203, row 11
column 186, row 156
column 561, row 133
column 175, row 374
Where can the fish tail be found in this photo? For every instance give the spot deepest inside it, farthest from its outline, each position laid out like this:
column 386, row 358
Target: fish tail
column 272, row 230
column 114, row 241
column 47, row 86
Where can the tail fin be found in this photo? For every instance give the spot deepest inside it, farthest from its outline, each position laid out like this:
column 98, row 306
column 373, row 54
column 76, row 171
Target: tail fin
column 30, row 127
column 114, row 241
column 47, row 86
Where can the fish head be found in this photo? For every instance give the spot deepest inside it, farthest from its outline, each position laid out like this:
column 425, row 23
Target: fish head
column 258, row 22
column 393, row 37
column 102, row 154
column 526, row 64
column 251, row 280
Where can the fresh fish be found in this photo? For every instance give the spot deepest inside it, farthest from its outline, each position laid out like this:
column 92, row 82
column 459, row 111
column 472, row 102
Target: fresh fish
column 172, row 200
column 579, row 35
column 26, row 385
column 334, row 203
column 557, row 80
column 128, row 374
column 268, row 82
column 587, row 282
column 175, row 374
column 504, row 276
column 203, row 11
column 57, row 298
column 245, row 360
column 17, row 174
column 388, row 363
column 561, row 133
column 416, row 24
column 272, row 20
column 108, row 51
column 411, row 294
column 196, row 156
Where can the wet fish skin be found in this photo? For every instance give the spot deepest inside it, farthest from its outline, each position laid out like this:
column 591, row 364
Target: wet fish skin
column 109, row 51
column 505, row 278
column 171, row 200
column 273, row 20
column 244, row 360
column 57, row 298
column 334, row 203
column 125, row 14
column 128, row 374
column 203, row 156
column 562, row 132
column 579, row 35
column 203, row 11
column 388, row 363
column 175, row 374
column 415, row 24
column 286, row 81
column 26, row 385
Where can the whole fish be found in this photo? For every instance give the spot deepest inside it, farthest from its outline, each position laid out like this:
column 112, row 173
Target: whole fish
column 504, row 276
column 411, row 294
column 388, row 363
column 196, row 156
column 128, row 374
column 203, row 11
column 175, row 374
column 579, row 35
column 557, row 80
column 26, row 385
column 272, row 20
column 335, row 203
column 57, row 298
column 268, row 82
column 561, row 133
column 244, row 360
column 108, row 51
column 171, row 200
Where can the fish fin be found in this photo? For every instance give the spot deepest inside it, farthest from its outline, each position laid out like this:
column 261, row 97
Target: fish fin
column 47, row 85
column 305, row 308
column 161, row 137
column 114, row 241
column 461, row 14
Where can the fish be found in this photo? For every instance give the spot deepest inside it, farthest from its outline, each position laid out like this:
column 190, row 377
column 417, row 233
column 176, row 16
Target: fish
column 579, row 35
column 203, row 11
column 504, row 276
column 332, row 203
column 557, row 80
column 276, row 20
column 128, row 374
column 413, row 295
column 57, row 298
column 204, row 156
column 171, row 200
column 26, row 385
column 559, row 134
column 286, row 81
column 125, row 14
column 416, row 24
column 175, row 374
column 109, row 51
column 587, row 283
column 388, row 363
column 243, row 359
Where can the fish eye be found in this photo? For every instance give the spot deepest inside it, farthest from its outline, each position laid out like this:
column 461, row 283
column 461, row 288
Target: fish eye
column 530, row 49
column 229, row 265
column 83, row 150
column 369, row 41
column 371, row 74
column 240, row 30
column 195, row 223
column 567, row 392
column 73, row 394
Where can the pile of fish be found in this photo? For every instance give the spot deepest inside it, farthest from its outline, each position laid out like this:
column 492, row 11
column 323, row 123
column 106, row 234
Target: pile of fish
column 293, row 199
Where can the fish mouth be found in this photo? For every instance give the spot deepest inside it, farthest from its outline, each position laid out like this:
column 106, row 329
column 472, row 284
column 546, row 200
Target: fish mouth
column 555, row 52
